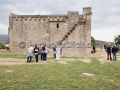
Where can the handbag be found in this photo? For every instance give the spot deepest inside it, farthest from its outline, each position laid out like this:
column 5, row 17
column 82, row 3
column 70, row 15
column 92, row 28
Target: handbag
column 60, row 52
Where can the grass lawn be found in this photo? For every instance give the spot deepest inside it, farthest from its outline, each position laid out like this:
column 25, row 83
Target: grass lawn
column 3, row 41
column 2, row 50
column 19, row 56
column 2, row 44
column 55, row 76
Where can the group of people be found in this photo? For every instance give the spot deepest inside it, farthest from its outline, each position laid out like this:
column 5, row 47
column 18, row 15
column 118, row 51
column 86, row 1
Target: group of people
column 111, row 49
column 43, row 51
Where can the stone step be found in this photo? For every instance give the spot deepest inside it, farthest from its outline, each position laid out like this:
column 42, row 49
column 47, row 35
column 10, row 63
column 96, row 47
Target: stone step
column 70, row 30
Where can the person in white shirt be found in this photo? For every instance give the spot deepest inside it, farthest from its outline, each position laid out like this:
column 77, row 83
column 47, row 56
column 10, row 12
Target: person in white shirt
column 7, row 46
column 30, row 53
column 58, row 49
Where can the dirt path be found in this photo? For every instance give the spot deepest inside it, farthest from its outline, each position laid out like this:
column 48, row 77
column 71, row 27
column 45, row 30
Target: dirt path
column 100, row 55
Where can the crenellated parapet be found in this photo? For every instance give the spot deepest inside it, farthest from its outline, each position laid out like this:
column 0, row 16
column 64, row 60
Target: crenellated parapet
column 40, row 17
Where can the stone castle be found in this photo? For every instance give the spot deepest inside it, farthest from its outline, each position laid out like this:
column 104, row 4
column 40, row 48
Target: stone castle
column 70, row 27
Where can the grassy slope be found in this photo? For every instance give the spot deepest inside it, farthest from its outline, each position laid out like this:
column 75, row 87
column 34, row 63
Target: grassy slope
column 54, row 76
column 3, row 41
column 103, row 42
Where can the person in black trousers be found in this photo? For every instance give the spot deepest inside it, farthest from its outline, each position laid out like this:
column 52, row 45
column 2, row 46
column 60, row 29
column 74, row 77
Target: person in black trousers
column 44, row 54
column 40, row 53
column 36, row 53
column 94, row 49
column 108, row 49
column 54, row 52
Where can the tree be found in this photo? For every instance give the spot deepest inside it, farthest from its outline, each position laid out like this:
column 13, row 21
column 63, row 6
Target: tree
column 92, row 40
column 117, row 39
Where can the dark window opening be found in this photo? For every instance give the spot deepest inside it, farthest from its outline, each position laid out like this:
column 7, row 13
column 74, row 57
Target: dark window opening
column 57, row 25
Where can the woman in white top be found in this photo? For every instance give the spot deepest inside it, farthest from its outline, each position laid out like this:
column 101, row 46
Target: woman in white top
column 58, row 49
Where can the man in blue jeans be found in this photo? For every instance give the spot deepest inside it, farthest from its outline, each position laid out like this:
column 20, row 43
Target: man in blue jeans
column 114, row 51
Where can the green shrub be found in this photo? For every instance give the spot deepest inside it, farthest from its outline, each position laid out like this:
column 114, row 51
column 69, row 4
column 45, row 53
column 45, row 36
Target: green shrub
column 2, row 46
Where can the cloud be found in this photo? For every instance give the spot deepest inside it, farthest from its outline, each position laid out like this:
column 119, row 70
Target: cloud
column 106, row 34
column 105, row 13
column 3, row 29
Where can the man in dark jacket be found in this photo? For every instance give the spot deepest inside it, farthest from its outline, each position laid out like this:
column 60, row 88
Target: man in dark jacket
column 108, row 49
column 114, row 51
column 94, row 50
column 105, row 47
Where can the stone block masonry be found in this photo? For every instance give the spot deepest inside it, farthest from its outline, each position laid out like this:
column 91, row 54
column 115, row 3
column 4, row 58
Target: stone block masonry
column 70, row 27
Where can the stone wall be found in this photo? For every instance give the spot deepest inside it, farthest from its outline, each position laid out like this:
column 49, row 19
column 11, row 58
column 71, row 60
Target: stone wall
column 57, row 33
column 71, row 27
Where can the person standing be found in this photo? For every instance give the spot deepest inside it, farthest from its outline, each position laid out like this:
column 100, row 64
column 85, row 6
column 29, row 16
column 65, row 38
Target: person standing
column 30, row 53
column 40, row 53
column 105, row 47
column 36, row 53
column 46, row 48
column 54, row 52
column 58, row 49
column 108, row 49
column 118, row 48
column 44, row 53
column 114, row 51
column 101, row 46
column 7, row 46
column 94, row 49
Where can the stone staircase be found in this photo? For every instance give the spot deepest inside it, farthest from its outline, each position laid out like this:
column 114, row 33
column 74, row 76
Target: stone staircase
column 80, row 21
column 69, row 32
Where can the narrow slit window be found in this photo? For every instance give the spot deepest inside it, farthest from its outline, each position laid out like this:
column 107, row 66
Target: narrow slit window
column 57, row 25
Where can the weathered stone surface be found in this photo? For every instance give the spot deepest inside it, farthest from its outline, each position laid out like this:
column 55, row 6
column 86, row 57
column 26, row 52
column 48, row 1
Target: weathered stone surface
column 37, row 29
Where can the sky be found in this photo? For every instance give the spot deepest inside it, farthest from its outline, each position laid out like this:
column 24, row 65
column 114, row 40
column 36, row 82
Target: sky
column 105, row 20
